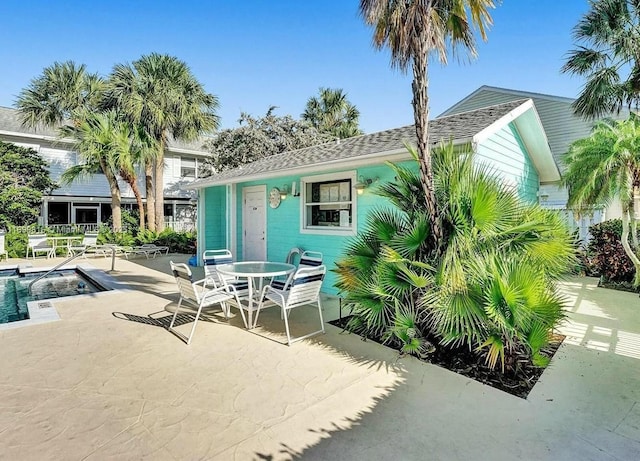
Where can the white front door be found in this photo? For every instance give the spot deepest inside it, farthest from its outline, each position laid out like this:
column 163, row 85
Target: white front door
column 254, row 223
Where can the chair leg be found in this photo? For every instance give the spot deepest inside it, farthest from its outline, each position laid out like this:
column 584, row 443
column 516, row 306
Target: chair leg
column 286, row 324
column 175, row 314
column 193, row 328
column 320, row 312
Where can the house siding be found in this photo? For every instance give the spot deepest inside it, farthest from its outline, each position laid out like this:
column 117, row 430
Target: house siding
column 215, row 222
column 505, row 154
column 560, row 124
column 284, row 228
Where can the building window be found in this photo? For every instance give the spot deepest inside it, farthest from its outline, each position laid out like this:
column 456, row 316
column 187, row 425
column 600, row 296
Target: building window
column 188, row 168
column 329, row 205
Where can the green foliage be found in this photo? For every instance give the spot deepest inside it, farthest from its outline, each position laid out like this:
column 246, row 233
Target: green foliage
column 607, row 256
column 606, row 57
column 24, row 178
column 489, row 286
column 16, row 244
column 258, row 138
column 331, row 113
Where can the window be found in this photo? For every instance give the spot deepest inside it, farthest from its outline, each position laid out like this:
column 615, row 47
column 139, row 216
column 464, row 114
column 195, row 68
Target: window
column 188, row 167
column 329, row 204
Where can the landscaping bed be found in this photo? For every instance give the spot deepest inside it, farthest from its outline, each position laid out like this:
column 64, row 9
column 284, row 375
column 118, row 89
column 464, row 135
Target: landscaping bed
column 520, row 373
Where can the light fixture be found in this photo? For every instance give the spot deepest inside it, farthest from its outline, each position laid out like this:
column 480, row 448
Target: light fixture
column 284, row 192
column 363, row 183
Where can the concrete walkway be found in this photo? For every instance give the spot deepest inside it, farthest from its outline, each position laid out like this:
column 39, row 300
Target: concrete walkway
column 107, row 381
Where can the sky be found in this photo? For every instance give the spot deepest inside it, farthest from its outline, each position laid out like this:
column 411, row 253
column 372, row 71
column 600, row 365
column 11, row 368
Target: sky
column 254, row 54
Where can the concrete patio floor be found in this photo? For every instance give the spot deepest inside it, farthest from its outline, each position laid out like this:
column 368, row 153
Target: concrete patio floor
column 108, row 381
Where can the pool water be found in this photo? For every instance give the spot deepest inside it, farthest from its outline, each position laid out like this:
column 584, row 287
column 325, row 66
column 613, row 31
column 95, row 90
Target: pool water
column 14, row 290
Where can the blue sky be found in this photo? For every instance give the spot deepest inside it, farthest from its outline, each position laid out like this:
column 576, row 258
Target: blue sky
column 254, row 54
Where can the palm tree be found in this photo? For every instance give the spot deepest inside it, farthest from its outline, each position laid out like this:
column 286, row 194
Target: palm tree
column 492, row 288
column 413, row 29
column 56, row 96
column 100, row 141
column 333, row 114
column 160, row 93
column 609, row 59
column 605, row 166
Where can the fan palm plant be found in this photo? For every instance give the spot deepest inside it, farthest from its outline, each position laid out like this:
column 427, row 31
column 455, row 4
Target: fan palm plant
column 608, row 58
column 159, row 93
column 413, row 30
column 606, row 166
column 492, row 288
column 333, row 114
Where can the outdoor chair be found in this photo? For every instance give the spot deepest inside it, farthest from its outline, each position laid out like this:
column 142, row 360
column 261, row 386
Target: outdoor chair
column 89, row 243
column 38, row 243
column 155, row 249
column 3, row 251
column 302, row 288
column 310, row 259
column 211, row 259
column 291, row 256
column 196, row 294
column 307, row 259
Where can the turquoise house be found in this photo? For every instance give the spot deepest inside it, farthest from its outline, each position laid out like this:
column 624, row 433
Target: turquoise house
column 317, row 198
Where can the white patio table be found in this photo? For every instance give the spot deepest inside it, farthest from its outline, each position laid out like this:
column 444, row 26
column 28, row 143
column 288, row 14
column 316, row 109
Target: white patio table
column 66, row 241
column 252, row 270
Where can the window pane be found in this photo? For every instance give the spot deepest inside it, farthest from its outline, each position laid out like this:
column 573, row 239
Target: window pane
column 187, row 167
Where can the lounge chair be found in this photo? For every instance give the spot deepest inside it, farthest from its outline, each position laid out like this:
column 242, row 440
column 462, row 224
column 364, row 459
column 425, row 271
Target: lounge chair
column 38, row 243
column 196, row 294
column 89, row 244
column 301, row 289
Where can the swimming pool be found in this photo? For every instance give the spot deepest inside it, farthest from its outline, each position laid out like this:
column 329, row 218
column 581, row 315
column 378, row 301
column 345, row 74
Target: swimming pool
column 17, row 304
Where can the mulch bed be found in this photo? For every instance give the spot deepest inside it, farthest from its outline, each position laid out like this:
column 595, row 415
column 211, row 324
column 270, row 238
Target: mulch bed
column 518, row 379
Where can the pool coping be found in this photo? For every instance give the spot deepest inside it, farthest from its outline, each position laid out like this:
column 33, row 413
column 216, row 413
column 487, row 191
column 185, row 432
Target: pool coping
column 44, row 310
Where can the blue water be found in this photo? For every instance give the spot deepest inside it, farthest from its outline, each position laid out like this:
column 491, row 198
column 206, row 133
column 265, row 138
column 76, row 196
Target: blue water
column 14, row 290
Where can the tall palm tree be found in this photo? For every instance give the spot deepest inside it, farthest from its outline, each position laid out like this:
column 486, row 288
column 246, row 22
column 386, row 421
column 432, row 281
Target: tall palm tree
column 413, row 30
column 160, row 93
column 609, row 57
column 332, row 113
column 605, row 166
column 100, row 142
column 62, row 91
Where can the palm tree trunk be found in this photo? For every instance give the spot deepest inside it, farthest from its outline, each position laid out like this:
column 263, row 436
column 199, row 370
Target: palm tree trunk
column 420, row 86
column 151, row 202
column 625, row 243
column 132, row 181
column 159, row 187
column 632, row 218
column 116, row 202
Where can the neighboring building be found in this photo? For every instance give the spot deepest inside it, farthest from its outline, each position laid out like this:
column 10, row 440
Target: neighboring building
column 87, row 203
column 310, row 198
column 562, row 127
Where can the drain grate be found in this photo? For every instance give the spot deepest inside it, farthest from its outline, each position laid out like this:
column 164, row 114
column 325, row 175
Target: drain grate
column 45, row 305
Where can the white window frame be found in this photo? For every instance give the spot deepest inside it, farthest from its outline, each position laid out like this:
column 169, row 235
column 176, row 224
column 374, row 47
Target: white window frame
column 327, row 230
column 195, row 163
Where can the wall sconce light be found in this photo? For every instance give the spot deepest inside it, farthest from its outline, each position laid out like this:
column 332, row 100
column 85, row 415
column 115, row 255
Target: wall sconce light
column 284, row 192
column 363, row 183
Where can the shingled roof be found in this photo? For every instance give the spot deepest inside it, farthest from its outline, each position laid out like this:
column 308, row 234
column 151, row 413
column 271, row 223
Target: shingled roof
column 459, row 127
column 10, row 125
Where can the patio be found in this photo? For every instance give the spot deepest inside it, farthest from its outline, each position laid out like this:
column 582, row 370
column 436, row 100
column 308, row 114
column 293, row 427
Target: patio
column 109, row 382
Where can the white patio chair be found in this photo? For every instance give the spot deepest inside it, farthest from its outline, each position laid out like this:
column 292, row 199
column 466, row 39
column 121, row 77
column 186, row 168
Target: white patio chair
column 291, row 256
column 307, row 259
column 310, row 259
column 38, row 243
column 196, row 294
column 89, row 244
column 211, row 259
column 3, row 251
column 302, row 288
column 155, row 249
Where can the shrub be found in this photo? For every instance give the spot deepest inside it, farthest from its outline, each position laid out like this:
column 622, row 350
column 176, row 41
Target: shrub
column 489, row 287
column 606, row 254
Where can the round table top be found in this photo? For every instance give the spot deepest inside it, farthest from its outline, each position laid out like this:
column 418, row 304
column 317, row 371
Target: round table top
column 256, row 269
